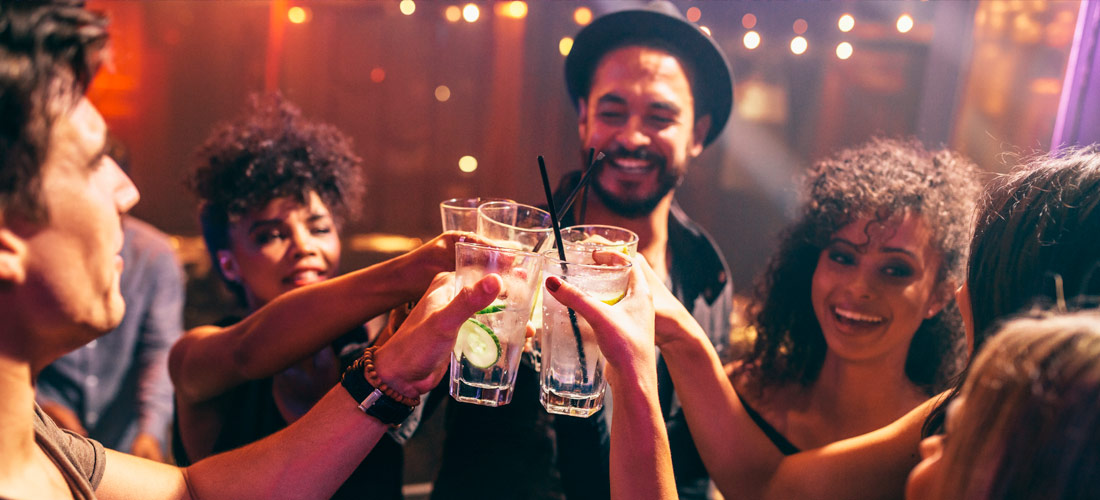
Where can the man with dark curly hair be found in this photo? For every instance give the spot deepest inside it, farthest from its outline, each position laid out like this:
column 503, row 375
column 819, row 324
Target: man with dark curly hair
column 274, row 190
column 60, row 237
column 855, row 323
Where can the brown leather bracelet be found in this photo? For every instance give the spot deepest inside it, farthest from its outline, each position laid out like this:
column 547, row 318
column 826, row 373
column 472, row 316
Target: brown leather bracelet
column 365, row 363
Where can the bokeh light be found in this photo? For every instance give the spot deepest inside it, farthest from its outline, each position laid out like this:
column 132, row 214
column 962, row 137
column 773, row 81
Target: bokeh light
column 751, row 40
column 516, row 9
column 407, row 7
column 297, row 15
column 800, row 26
column 693, row 14
column 467, row 164
column 748, row 21
column 705, row 29
column 582, row 16
column 377, row 75
column 846, row 23
column 565, row 45
column 470, row 13
column 844, row 50
column 905, row 23
column 799, row 45
column 453, row 14
column 442, row 93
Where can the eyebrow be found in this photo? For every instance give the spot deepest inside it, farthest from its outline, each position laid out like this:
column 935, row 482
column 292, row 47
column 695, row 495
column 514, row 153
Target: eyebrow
column 274, row 222
column 617, row 99
column 900, row 250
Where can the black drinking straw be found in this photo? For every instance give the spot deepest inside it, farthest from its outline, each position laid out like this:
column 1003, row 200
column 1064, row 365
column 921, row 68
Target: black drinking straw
column 561, row 254
column 592, row 159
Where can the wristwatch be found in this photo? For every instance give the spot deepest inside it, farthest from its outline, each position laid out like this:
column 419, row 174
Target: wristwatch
column 372, row 400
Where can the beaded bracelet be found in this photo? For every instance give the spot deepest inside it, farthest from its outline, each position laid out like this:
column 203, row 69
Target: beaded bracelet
column 365, row 363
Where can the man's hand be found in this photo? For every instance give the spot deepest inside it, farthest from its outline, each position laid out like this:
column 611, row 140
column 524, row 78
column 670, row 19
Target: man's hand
column 624, row 332
column 64, row 417
column 670, row 314
column 147, row 446
column 414, row 360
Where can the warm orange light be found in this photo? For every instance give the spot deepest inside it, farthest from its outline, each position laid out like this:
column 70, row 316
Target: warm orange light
column 453, row 14
column 705, row 29
column 846, row 23
column 407, row 7
column 905, row 23
column 748, row 21
column 377, row 75
column 800, row 26
column 471, row 13
column 799, row 45
column 582, row 16
column 297, row 15
column 516, row 10
column 693, row 14
column 467, row 164
column 844, row 50
column 565, row 45
column 751, row 40
column 442, row 93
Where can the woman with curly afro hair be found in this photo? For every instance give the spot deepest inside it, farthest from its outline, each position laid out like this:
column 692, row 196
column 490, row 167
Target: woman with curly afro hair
column 274, row 189
column 856, row 328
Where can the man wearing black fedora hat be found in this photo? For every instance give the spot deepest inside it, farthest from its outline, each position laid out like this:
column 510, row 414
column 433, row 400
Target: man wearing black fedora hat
column 652, row 91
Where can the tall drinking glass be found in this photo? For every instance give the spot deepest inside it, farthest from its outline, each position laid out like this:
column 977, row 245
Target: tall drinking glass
column 514, row 225
column 571, row 377
column 460, row 214
column 580, row 241
column 486, row 354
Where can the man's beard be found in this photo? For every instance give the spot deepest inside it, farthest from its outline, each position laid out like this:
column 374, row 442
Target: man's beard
column 667, row 180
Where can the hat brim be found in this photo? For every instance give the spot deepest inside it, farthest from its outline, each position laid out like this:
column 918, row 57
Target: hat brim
column 712, row 85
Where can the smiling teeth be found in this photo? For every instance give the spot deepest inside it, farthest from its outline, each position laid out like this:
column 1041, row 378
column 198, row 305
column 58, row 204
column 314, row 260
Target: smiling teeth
column 854, row 316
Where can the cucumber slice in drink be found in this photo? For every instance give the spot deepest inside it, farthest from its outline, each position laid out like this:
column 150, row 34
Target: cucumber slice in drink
column 495, row 307
column 480, row 344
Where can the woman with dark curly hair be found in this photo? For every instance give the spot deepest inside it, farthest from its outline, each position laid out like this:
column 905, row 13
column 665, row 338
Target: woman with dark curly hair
column 854, row 317
column 274, row 190
column 855, row 324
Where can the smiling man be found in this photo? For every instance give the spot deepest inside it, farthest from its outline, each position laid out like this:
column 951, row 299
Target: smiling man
column 652, row 91
column 60, row 237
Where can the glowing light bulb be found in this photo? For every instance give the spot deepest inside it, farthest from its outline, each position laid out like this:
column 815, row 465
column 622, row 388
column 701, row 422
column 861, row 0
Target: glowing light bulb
column 467, row 164
column 582, row 16
column 752, row 40
column 844, row 50
column 800, row 26
column 565, row 45
column 905, row 23
column 453, row 14
column 846, row 23
column 748, row 21
column 693, row 14
column 516, row 10
column 442, row 93
column 471, row 13
column 407, row 7
column 799, row 45
column 297, row 15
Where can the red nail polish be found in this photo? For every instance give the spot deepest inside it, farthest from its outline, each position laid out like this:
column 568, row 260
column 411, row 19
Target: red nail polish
column 553, row 283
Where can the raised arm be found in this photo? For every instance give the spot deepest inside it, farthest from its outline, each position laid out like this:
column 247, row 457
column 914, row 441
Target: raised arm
column 741, row 460
column 208, row 360
column 641, row 462
column 315, row 454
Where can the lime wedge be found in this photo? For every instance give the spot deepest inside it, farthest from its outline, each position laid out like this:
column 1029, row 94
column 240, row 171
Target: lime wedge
column 614, row 300
column 480, row 344
column 495, row 307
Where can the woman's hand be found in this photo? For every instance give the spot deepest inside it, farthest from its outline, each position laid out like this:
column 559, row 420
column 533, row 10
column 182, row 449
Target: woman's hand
column 624, row 331
column 414, row 360
column 672, row 319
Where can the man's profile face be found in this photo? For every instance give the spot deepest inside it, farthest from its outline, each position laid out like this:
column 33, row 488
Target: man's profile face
column 640, row 113
column 72, row 261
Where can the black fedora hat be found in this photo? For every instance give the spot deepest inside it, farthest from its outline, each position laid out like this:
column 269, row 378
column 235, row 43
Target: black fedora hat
column 659, row 21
